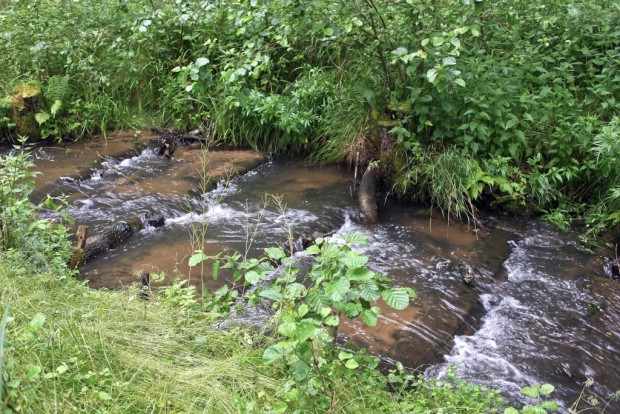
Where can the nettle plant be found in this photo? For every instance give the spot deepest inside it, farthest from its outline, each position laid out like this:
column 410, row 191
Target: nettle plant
column 307, row 313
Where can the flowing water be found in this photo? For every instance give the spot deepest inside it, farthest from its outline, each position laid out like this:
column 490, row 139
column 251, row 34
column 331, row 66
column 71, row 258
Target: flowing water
column 536, row 313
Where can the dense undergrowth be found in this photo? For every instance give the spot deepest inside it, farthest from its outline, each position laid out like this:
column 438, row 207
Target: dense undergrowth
column 464, row 104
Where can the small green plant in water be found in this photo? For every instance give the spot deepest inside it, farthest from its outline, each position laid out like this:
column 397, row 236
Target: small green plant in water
column 308, row 310
column 537, row 393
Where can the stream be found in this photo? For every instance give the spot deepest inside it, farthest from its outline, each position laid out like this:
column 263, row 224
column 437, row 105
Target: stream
column 538, row 311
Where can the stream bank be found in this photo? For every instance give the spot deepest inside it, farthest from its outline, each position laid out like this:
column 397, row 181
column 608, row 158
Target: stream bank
column 527, row 318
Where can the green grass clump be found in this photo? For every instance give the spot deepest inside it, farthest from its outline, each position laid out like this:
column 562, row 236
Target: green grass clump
column 72, row 349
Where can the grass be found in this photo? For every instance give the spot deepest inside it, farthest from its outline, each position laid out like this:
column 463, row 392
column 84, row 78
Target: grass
column 100, row 351
column 74, row 349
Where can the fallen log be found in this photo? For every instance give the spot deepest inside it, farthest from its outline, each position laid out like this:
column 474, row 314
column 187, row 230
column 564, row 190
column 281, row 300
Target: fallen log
column 119, row 232
column 367, row 197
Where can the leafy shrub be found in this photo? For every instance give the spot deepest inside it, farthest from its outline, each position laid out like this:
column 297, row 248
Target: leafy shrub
column 43, row 244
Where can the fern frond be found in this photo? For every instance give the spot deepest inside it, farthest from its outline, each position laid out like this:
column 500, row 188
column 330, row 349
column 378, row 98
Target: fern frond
column 57, row 88
column 55, row 107
column 42, row 117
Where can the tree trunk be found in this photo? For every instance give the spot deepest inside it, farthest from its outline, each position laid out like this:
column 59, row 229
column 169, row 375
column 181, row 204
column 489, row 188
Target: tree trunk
column 367, row 198
column 78, row 252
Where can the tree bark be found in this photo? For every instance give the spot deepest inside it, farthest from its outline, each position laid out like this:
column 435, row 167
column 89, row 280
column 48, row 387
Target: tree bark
column 78, row 252
column 367, row 198
column 119, row 232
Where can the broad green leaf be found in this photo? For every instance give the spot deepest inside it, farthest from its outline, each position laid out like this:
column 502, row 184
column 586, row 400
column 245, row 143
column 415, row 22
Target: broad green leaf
column 337, row 289
column 550, row 405
column 511, row 410
column 287, row 329
column 37, row 322
column 302, row 310
column 280, row 407
column 272, row 293
column 272, row 354
column 531, row 392
column 328, row 31
column 340, row 305
column 252, row 277
column 196, row 258
column 396, row 298
column 342, row 355
column 351, row 364
column 449, row 60
column 201, row 61
column 431, row 75
column 546, row 389
column 360, row 274
column 275, row 253
column 332, row 320
column 295, row 290
column 221, row 291
column 318, row 301
column 369, row 291
column 401, row 51
column 304, row 331
column 353, row 260
column 299, row 370
column 369, row 317
column 532, row 409
column 354, row 238
column 313, row 249
column 352, row 310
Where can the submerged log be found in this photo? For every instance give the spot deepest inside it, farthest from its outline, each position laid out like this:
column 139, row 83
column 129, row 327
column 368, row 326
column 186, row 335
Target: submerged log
column 367, row 197
column 119, row 232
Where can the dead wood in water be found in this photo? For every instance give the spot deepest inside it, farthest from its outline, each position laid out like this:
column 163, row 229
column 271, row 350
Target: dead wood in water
column 367, row 197
column 78, row 252
column 119, row 232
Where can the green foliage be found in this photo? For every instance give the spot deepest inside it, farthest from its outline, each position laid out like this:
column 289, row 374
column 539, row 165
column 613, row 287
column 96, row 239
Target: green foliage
column 483, row 82
column 537, row 393
column 450, row 395
column 42, row 242
column 308, row 312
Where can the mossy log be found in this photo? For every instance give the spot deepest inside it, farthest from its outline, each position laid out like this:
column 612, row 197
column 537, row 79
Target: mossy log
column 119, row 232
column 77, row 258
column 367, row 197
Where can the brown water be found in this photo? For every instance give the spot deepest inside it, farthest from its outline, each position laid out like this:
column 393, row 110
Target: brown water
column 538, row 311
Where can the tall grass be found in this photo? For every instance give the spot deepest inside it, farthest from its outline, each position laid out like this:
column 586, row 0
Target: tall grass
column 5, row 316
column 110, row 350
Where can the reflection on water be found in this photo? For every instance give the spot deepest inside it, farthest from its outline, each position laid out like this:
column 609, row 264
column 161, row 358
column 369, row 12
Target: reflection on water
column 534, row 314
